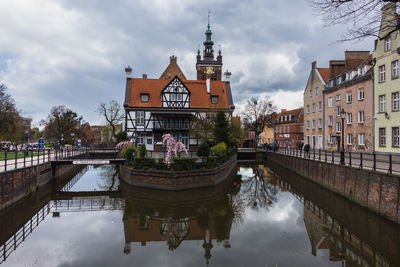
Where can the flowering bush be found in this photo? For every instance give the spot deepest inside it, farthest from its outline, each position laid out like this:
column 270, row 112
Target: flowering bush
column 173, row 148
column 122, row 145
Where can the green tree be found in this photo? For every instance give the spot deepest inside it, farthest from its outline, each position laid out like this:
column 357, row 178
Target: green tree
column 10, row 129
column 221, row 128
column 201, row 127
column 61, row 123
column 203, row 150
column 121, row 136
column 112, row 113
column 143, row 151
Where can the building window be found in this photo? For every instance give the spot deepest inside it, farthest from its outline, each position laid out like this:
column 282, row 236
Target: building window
column 330, row 102
column 313, row 107
column 349, row 76
column 310, row 93
column 144, row 97
column 338, row 111
column 330, row 120
column 320, row 105
column 308, row 109
column 388, row 44
column 360, row 93
column 140, row 118
column 307, row 139
column 349, row 139
column 349, row 97
column 288, row 129
column 395, row 69
column 308, row 125
column 349, row 118
column 382, row 73
column 361, row 139
column 395, row 136
column 382, row 136
column 361, row 117
column 382, row 103
column 330, row 139
column 313, row 124
column 338, row 127
column 316, row 90
column 338, row 97
column 214, row 99
column 395, row 101
column 320, row 123
column 141, row 138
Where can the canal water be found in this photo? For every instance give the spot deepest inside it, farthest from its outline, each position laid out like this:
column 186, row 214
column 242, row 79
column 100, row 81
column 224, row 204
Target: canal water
column 262, row 216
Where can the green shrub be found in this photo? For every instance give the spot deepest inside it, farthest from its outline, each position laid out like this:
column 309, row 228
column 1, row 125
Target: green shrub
column 144, row 163
column 143, row 151
column 129, row 152
column 203, row 150
column 181, row 164
column 219, row 149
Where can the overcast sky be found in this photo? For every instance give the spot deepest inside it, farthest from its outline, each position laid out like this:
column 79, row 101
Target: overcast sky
column 73, row 52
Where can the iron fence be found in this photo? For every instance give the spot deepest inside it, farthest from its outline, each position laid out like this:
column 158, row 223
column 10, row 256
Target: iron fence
column 382, row 162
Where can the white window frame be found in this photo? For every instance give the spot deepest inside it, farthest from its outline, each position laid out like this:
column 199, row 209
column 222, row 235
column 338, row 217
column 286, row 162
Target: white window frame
column 320, row 123
column 314, row 107
column 349, row 97
column 313, row 124
column 349, row 139
column 360, row 116
column 360, row 93
column 361, row 140
column 349, row 118
column 330, row 120
column 382, row 137
column 316, row 91
column 320, row 105
column 395, row 101
column 382, row 103
column 310, row 93
column 308, row 124
column 382, row 74
column 395, row 69
column 308, row 109
column 338, row 127
column 338, row 111
column 388, row 43
column 330, row 102
column 140, row 117
column 338, row 97
column 395, row 136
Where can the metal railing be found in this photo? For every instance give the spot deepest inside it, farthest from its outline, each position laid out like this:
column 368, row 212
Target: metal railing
column 381, row 162
column 17, row 159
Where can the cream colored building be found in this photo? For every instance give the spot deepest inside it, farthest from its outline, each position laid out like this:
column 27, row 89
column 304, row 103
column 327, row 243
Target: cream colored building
column 387, row 83
column 314, row 106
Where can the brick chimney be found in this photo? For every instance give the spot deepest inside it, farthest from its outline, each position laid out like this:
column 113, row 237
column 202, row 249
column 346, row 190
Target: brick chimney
column 227, row 76
column 128, row 71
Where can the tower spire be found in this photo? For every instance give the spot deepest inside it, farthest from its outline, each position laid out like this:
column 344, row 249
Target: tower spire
column 208, row 43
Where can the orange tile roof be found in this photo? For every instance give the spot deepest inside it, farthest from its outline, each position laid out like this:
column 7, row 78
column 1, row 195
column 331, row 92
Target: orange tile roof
column 324, row 72
column 199, row 98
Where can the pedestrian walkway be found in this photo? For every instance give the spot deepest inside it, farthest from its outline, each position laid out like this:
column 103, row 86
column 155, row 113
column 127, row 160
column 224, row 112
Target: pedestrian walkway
column 385, row 163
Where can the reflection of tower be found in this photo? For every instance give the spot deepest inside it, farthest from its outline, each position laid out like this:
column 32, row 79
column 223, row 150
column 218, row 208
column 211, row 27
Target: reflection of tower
column 127, row 248
column 207, row 245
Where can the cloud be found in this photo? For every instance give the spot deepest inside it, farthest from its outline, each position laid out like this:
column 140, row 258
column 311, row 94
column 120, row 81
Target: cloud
column 74, row 52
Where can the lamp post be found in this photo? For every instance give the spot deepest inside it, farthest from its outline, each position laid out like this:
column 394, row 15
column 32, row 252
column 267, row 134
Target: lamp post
column 342, row 116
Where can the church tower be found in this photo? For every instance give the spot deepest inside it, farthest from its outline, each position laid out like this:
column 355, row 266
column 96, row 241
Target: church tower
column 208, row 67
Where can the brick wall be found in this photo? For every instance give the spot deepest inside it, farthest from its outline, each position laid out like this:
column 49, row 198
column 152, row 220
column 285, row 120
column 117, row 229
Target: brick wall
column 377, row 192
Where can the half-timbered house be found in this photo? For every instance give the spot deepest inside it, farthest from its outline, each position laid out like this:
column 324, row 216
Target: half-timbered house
column 154, row 107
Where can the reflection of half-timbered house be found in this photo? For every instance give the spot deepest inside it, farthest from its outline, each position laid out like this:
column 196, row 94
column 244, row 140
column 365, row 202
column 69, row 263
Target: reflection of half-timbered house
column 154, row 107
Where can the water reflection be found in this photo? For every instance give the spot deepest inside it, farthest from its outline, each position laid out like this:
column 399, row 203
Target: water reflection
column 205, row 215
column 262, row 216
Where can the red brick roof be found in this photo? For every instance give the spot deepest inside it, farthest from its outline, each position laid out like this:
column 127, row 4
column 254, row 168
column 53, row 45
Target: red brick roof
column 324, row 72
column 199, row 98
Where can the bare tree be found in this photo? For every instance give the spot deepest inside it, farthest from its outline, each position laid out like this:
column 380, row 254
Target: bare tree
column 112, row 113
column 364, row 16
column 257, row 115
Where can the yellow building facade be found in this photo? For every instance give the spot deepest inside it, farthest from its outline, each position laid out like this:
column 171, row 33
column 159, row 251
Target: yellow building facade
column 387, row 84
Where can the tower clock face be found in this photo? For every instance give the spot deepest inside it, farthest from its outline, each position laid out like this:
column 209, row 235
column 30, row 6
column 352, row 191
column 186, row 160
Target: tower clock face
column 209, row 70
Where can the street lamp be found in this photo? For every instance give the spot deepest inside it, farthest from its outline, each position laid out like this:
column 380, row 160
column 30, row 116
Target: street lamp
column 342, row 116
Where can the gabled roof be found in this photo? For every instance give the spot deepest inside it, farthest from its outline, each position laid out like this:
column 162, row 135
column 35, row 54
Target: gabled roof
column 172, row 70
column 199, row 98
column 324, row 72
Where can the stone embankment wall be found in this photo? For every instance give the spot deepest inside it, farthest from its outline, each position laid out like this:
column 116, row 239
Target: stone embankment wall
column 375, row 191
column 16, row 184
column 182, row 180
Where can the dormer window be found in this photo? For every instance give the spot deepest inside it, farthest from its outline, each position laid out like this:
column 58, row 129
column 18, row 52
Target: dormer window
column 214, row 99
column 144, row 97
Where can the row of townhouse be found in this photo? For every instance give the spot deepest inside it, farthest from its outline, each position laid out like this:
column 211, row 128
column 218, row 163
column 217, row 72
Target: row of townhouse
column 365, row 88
